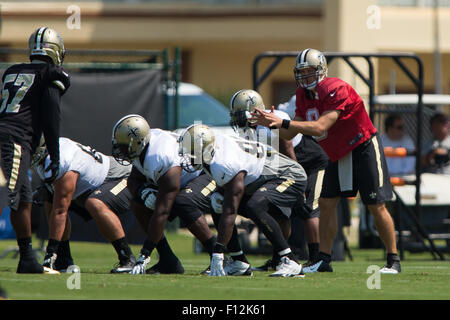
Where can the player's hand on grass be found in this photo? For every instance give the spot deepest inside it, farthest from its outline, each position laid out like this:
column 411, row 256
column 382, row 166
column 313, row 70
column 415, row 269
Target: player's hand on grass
column 141, row 264
column 217, row 265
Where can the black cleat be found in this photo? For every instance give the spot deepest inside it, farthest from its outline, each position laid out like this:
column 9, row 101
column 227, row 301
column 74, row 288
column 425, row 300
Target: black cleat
column 125, row 266
column 269, row 265
column 318, row 266
column 29, row 266
column 172, row 266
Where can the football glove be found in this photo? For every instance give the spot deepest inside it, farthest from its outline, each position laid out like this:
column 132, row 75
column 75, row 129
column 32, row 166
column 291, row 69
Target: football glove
column 148, row 195
column 217, row 202
column 53, row 167
column 141, row 264
column 49, row 260
column 217, row 265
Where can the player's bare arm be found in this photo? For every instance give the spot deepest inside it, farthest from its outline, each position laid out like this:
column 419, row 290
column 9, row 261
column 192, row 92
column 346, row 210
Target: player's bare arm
column 287, row 148
column 64, row 190
column 234, row 190
column 168, row 188
column 135, row 180
column 311, row 128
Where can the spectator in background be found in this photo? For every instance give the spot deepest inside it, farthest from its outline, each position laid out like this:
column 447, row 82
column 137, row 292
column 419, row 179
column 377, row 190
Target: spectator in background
column 395, row 137
column 436, row 151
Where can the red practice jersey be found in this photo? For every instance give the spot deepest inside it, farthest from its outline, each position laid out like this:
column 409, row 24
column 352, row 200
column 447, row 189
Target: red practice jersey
column 353, row 126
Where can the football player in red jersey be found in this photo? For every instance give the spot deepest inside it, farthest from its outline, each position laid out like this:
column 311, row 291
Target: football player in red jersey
column 336, row 116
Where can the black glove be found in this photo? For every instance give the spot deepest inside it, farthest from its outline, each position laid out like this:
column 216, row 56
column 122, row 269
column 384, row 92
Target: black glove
column 54, row 168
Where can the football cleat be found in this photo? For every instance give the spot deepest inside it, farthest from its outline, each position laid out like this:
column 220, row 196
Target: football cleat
column 287, row 268
column 319, row 266
column 269, row 265
column 237, row 268
column 124, row 266
column 66, row 265
column 391, row 268
column 166, row 267
column 29, row 266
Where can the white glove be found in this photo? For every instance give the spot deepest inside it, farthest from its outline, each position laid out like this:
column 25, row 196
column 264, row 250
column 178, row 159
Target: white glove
column 141, row 264
column 217, row 202
column 148, row 195
column 217, row 265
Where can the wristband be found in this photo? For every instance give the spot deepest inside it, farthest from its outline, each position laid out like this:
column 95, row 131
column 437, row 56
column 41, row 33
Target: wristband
column 285, row 124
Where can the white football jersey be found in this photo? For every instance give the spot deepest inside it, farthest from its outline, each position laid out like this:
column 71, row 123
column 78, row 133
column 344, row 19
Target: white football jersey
column 93, row 166
column 160, row 156
column 261, row 163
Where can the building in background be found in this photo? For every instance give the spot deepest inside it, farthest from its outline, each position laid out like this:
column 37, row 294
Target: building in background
column 220, row 39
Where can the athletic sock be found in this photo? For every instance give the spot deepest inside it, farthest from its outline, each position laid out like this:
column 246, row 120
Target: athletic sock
column 209, row 245
column 239, row 256
column 313, row 250
column 52, row 246
column 286, row 253
column 234, row 245
column 164, row 249
column 324, row 256
column 64, row 250
column 25, row 248
column 122, row 248
column 391, row 257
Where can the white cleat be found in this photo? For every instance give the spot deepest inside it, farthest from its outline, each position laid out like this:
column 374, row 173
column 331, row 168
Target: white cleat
column 287, row 268
column 392, row 268
column 237, row 268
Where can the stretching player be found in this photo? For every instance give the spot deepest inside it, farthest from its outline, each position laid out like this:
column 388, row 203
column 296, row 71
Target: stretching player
column 267, row 182
column 155, row 181
column 302, row 148
column 95, row 185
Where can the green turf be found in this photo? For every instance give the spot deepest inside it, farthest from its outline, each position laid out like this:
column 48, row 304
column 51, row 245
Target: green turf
column 422, row 278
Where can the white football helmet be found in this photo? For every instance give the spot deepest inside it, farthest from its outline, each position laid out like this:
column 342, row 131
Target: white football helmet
column 40, row 153
column 310, row 58
column 48, row 43
column 196, row 147
column 130, row 136
column 242, row 104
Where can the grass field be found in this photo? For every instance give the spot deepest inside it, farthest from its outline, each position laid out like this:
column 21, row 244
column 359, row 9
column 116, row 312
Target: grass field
column 422, row 278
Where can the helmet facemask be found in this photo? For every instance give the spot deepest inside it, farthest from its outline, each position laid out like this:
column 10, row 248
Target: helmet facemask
column 242, row 104
column 310, row 64
column 196, row 148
